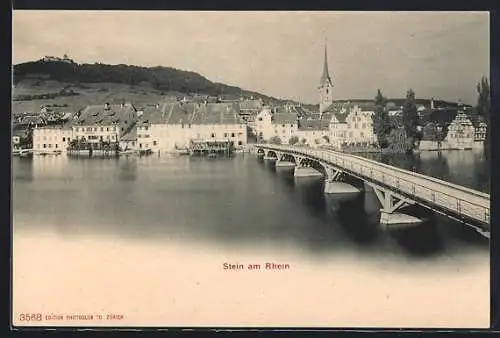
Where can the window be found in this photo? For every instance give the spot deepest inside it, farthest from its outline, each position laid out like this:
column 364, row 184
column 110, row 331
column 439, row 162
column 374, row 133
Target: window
column 107, row 137
column 122, row 128
column 155, row 143
column 126, row 121
column 225, row 134
column 44, row 145
column 146, row 128
column 88, row 128
column 240, row 143
column 112, row 137
column 50, row 138
column 232, row 134
column 364, row 125
column 283, row 125
column 213, row 134
column 64, row 139
column 291, row 126
column 50, row 145
column 362, row 134
column 107, row 128
column 102, row 129
column 260, row 118
column 95, row 128
column 56, row 145
column 356, row 125
column 77, row 129
column 140, row 145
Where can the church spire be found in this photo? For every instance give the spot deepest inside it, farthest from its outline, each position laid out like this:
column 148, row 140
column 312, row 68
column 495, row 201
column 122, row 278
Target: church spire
column 325, row 78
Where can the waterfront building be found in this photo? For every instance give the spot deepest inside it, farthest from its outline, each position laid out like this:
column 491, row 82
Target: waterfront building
column 172, row 126
column 351, row 124
column 460, row 132
column 98, row 123
column 284, row 123
column 128, row 141
column 52, row 138
column 480, row 131
column 314, row 132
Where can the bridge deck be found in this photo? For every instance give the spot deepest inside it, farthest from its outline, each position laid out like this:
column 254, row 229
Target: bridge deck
column 454, row 200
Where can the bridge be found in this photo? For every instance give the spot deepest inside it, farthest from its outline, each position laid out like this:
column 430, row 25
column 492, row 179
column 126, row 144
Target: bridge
column 395, row 188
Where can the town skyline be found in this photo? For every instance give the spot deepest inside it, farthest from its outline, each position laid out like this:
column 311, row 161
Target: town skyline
column 441, row 55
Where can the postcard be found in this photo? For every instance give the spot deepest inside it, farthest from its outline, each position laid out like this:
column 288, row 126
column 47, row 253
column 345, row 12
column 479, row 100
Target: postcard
column 250, row 169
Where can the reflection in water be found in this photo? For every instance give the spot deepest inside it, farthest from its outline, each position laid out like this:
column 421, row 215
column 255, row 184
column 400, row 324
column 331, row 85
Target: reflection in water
column 237, row 201
column 232, row 206
column 470, row 168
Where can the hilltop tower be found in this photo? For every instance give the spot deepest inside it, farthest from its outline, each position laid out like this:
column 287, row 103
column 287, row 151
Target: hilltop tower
column 325, row 87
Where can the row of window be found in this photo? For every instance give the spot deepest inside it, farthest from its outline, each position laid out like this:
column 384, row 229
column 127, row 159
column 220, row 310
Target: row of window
column 460, row 135
column 95, row 129
column 45, row 146
column 44, row 138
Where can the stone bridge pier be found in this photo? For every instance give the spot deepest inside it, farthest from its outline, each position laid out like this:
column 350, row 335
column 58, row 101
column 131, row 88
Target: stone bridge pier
column 335, row 182
column 391, row 202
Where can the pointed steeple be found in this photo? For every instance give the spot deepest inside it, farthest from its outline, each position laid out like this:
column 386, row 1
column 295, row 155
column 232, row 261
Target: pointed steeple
column 325, row 78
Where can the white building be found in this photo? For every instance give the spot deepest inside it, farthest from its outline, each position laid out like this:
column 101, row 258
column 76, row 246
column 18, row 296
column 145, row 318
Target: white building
column 51, row 139
column 351, row 124
column 314, row 132
column 106, row 122
column 172, row 126
column 461, row 133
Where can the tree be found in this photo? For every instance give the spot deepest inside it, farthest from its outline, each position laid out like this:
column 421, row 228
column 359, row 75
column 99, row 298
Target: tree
column 410, row 115
column 381, row 122
column 430, row 132
column 293, row 140
column 275, row 140
column 484, row 98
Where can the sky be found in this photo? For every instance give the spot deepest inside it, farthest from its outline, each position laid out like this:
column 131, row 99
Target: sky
column 437, row 54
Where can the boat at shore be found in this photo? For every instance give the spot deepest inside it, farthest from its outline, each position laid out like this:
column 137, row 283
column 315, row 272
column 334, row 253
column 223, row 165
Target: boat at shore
column 26, row 153
column 184, row 151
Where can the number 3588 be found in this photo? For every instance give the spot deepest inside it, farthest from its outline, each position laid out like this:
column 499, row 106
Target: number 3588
column 30, row 317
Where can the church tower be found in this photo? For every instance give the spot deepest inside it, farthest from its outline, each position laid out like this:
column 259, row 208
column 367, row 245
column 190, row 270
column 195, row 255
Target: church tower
column 325, row 87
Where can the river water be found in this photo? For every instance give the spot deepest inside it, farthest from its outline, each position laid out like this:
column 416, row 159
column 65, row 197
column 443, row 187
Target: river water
column 146, row 239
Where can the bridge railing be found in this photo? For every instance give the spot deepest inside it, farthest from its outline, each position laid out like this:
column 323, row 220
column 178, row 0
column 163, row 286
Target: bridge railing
column 459, row 200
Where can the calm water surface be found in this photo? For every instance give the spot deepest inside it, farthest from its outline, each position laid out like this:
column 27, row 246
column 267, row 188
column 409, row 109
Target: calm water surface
column 241, row 208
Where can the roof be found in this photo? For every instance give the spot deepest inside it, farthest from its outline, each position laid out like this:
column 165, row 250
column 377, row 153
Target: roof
column 63, row 110
column 284, row 117
column 314, row 124
column 99, row 115
column 192, row 113
column 32, row 119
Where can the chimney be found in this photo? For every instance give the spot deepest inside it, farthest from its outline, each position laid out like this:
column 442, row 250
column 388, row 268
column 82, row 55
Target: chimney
column 106, row 105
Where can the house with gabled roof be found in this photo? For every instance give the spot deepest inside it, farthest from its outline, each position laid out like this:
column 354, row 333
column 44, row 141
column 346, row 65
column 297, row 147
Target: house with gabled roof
column 173, row 126
column 97, row 123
